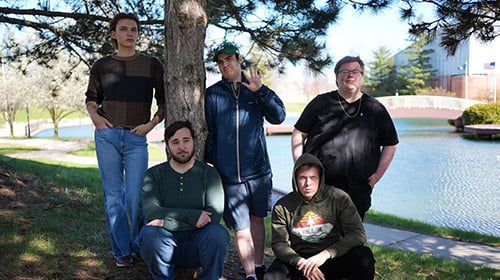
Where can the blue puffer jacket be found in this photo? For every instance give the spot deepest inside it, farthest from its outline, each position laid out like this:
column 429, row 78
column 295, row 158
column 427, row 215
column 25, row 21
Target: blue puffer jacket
column 236, row 143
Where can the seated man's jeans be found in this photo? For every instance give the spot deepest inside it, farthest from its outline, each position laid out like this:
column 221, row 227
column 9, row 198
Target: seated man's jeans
column 164, row 250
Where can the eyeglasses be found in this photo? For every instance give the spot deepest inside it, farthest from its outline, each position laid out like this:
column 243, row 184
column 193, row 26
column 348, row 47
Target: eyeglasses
column 346, row 72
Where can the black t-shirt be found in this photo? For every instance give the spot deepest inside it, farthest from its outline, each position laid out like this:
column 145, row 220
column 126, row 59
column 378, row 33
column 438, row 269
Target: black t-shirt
column 347, row 137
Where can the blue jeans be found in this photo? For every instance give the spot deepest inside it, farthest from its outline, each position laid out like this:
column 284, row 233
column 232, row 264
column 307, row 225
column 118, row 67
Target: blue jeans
column 164, row 250
column 123, row 159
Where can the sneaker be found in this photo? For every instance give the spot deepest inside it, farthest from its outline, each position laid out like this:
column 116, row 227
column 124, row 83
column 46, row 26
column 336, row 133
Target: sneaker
column 260, row 271
column 124, row 261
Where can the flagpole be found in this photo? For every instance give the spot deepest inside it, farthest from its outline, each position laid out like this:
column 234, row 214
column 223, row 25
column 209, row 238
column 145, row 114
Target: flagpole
column 495, row 72
column 466, row 81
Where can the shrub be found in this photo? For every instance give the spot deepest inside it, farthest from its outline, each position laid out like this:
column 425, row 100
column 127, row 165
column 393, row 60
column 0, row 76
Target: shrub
column 482, row 114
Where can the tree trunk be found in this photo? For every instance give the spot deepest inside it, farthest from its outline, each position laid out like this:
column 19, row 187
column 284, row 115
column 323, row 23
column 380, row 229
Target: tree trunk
column 185, row 30
column 55, row 121
column 56, row 130
column 11, row 129
column 11, row 119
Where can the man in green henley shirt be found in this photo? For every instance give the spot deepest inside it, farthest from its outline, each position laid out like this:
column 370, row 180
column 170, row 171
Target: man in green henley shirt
column 183, row 201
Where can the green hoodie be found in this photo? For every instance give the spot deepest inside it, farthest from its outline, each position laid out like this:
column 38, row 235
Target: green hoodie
column 301, row 229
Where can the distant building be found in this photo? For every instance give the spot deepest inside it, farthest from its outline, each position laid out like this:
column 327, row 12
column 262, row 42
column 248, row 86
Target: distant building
column 472, row 73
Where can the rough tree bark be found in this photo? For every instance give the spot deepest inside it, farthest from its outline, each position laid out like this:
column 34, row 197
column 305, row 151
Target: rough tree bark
column 185, row 30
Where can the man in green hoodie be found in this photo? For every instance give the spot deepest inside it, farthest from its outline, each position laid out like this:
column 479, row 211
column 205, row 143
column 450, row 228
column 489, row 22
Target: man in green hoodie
column 316, row 230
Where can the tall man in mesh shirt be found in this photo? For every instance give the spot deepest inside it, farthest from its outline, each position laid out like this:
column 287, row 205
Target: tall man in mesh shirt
column 118, row 98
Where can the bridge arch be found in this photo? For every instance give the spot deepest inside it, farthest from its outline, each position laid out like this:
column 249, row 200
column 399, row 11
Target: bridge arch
column 426, row 106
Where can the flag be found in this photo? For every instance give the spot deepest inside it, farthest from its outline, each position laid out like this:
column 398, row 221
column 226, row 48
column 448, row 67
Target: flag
column 489, row 65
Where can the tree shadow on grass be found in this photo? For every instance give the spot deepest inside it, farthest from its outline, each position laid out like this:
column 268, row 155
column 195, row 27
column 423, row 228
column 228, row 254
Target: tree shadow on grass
column 51, row 231
column 57, row 230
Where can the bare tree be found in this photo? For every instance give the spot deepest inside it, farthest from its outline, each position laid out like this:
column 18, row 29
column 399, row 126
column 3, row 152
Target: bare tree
column 60, row 87
column 13, row 94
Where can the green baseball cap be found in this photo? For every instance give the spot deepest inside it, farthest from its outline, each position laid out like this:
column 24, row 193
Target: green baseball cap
column 226, row 47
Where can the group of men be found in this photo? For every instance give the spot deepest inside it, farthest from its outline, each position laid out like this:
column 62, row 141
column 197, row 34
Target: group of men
column 342, row 145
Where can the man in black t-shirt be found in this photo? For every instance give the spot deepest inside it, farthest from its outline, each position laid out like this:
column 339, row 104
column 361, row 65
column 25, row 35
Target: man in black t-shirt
column 350, row 132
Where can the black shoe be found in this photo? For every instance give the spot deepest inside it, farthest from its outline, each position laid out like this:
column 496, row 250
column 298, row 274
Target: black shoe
column 260, row 271
column 251, row 278
column 124, row 261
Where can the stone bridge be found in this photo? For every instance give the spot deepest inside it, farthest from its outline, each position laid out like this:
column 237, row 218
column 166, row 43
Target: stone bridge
column 426, row 106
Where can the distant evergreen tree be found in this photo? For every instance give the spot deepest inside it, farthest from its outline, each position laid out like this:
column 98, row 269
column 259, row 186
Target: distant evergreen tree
column 381, row 77
column 414, row 75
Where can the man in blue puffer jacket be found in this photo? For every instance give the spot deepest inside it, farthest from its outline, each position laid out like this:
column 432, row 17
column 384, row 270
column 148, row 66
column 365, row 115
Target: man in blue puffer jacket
column 235, row 108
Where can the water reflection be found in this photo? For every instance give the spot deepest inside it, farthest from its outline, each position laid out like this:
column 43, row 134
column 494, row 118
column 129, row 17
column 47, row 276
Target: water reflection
column 443, row 179
column 437, row 177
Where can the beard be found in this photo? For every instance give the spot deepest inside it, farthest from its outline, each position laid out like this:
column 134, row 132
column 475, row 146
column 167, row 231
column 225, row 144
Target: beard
column 184, row 158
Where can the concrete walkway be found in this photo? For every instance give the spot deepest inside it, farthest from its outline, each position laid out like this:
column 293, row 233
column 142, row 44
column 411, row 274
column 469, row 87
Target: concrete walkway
column 53, row 149
column 50, row 149
column 476, row 254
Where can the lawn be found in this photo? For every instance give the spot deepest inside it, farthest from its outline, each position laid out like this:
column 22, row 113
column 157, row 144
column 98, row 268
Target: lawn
column 53, row 227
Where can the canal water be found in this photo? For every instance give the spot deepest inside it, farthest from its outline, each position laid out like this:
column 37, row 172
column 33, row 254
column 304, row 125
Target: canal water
column 437, row 176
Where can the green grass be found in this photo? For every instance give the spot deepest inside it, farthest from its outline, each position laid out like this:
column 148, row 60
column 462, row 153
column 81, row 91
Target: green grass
column 88, row 151
column 396, row 264
column 295, row 107
column 12, row 149
column 51, row 218
column 420, row 227
column 155, row 153
column 53, row 227
column 39, row 113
